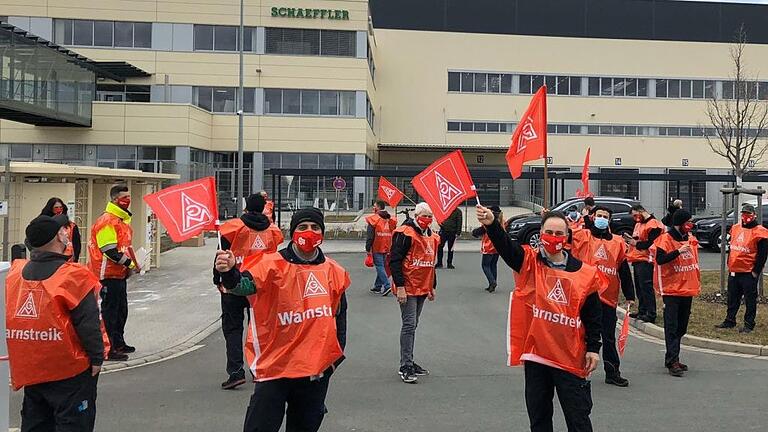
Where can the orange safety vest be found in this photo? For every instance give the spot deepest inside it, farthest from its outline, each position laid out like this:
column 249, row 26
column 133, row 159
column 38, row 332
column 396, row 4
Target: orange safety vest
column 269, row 208
column 682, row 276
column 101, row 266
column 245, row 241
column 382, row 241
column 642, row 229
column 292, row 328
column 544, row 324
column 486, row 245
column 70, row 250
column 741, row 258
column 419, row 262
column 606, row 255
column 43, row 345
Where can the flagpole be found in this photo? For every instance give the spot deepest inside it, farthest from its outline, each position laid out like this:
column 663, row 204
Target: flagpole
column 546, row 181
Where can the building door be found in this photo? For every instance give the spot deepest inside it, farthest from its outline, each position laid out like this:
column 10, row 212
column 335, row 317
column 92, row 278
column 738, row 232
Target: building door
column 619, row 188
column 692, row 193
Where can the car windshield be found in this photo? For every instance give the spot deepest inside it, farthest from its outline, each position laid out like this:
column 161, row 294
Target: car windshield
column 565, row 204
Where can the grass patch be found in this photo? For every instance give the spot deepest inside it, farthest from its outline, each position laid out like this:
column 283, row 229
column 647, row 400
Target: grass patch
column 332, row 218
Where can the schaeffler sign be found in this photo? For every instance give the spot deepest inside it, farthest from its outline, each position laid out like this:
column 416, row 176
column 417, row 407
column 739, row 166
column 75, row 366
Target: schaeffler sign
column 331, row 14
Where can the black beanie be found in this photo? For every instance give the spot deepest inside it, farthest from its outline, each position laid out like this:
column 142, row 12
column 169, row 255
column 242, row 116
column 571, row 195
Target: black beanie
column 43, row 229
column 680, row 217
column 309, row 214
column 255, row 203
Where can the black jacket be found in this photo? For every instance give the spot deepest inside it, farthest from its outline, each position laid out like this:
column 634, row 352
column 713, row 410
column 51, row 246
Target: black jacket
column 371, row 234
column 625, row 275
column 401, row 244
column 452, row 225
column 254, row 221
column 85, row 317
column 513, row 254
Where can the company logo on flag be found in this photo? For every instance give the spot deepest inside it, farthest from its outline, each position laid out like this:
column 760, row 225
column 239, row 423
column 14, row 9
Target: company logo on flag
column 187, row 209
column 445, row 184
column 29, row 309
column 529, row 141
column 528, row 133
column 389, row 192
column 557, row 294
column 313, row 287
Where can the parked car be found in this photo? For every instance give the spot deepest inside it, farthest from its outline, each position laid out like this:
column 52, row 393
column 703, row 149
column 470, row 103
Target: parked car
column 526, row 227
column 708, row 229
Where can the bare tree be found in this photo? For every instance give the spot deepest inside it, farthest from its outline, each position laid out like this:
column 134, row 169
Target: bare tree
column 739, row 118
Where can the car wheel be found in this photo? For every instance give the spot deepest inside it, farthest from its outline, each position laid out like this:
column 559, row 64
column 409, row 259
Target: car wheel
column 717, row 245
column 533, row 240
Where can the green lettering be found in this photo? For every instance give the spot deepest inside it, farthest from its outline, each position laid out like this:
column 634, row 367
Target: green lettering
column 300, row 13
column 291, row 13
column 282, row 12
column 322, row 13
column 345, row 15
column 336, row 14
column 307, row 13
column 274, row 11
column 315, row 13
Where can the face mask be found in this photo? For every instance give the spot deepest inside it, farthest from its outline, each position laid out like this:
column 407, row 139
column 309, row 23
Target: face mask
column 552, row 243
column 638, row 218
column 574, row 216
column 686, row 227
column 58, row 210
column 423, row 222
column 124, row 203
column 601, row 223
column 747, row 218
column 307, row 241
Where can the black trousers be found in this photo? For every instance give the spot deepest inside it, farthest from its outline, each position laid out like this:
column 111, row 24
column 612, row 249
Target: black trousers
column 490, row 264
column 450, row 239
column 574, row 393
column 305, row 402
column 233, row 310
column 60, row 406
column 677, row 311
column 742, row 285
column 611, row 361
column 646, row 297
column 114, row 310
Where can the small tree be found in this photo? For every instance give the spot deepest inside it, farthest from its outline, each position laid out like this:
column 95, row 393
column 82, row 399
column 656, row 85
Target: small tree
column 740, row 120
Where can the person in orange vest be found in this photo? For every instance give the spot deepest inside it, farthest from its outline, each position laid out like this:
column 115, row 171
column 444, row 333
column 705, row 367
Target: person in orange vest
column 554, row 321
column 249, row 235
column 575, row 219
column 413, row 270
column 298, row 327
column 55, row 206
column 490, row 261
column 647, row 230
column 55, row 345
column 109, row 260
column 269, row 206
column 597, row 246
column 378, row 243
column 748, row 252
column 678, row 280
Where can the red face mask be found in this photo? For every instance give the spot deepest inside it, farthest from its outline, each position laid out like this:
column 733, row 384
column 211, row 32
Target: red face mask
column 686, row 227
column 638, row 218
column 552, row 243
column 307, row 241
column 58, row 210
column 124, row 203
column 423, row 221
column 747, row 218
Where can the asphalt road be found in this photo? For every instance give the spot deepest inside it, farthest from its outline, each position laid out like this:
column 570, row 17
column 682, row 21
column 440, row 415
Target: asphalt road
column 461, row 339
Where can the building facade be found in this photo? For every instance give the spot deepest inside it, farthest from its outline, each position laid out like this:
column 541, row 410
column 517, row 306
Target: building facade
column 360, row 84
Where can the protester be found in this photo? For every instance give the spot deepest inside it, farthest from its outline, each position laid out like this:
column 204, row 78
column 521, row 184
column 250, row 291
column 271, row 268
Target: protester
column 597, row 246
column 675, row 206
column 554, row 321
column 378, row 244
column 250, row 235
column 746, row 259
column 55, row 206
column 490, row 261
column 269, row 207
column 54, row 301
column 589, row 206
column 647, row 230
column 109, row 260
column 678, row 280
column 413, row 270
column 449, row 230
column 574, row 218
column 298, row 326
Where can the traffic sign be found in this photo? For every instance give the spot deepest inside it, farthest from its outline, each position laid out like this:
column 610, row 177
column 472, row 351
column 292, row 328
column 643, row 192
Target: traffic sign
column 339, row 184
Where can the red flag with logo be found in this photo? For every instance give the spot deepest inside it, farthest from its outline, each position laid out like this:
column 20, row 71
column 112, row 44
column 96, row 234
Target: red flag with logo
column 445, row 184
column 583, row 193
column 187, row 209
column 529, row 141
column 624, row 334
column 389, row 192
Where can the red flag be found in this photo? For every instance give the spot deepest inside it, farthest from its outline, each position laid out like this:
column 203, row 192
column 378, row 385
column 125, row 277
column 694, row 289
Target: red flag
column 624, row 334
column 583, row 193
column 529, row 141
column 389, row 192
column 445, row 184
column 187, row 209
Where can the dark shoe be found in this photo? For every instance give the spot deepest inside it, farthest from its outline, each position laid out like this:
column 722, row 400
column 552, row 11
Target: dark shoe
column 408, row 375
column 419, row 371
column 438, row 265
column 745, row 330
column 386, row 292
column 376, row 290
column 617, row 380
column 235, row 380
column 725, row 325
column 683, row 366
column 115, row 355
column 646, row 318
column 126, row 349
column 675, row 370
column 634, row 315
column 451, row 267
column 492, row 287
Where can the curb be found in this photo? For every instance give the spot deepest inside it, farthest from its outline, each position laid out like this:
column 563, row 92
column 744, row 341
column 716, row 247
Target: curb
column 696, row 341
column 166, row 353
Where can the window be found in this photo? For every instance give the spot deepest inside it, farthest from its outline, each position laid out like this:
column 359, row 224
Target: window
column 222, row 38
column 506, row 83
column 120, row 93
column 291, row 101
column 454, row 81
column 673, row 88
column 698, row 89
column 142, row 35
column 594, row 86
column 551, row 83
column 693, row 193
column 102, row 33
column 223, row 100
column 685, row 88
column 203, row 37
column 606, row 86
column 525, row 84
column 536, row 82
column 83, row 33
column 225, row 38
column 329, row 103
column 120, row 34
column 466, row 127
column 619, row 188
column 249, row 100
column 333, row 43
column 494, row 83
column 204, row 98
column 123, row 34
column 479, row 127
column 309, row 102
column 454, row 126
column 661, row 88
column 21, row 151
column 481, row 83
column 467, row 82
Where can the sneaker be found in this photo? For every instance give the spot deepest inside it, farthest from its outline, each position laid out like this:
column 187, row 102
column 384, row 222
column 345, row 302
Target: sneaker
column 451, row 267
column 683, row 366
column 646, row 318
column 235, row 380
column 115, row 355
column 376, row 290
column 386, row 292
column 725, row 325
column 126, row 349
column 492, row 287
column 408, row 375
column 745, row 330
column 419, row 371
column 617, row 380
column 438, row 265
column 675, row 370
column 634, row 315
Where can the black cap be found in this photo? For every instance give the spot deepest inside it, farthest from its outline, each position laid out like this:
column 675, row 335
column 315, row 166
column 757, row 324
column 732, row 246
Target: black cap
column 495, row 209
column 309, row 214
column 43, row 229
column 748, row 208
column 255, row 203
column 680, row 217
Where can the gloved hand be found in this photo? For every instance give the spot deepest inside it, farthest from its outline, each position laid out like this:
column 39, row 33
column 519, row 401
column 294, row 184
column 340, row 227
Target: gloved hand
column 369, row 260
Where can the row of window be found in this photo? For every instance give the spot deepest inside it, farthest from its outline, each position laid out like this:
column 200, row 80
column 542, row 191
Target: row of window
column 332, row 43
column 122, row 93
column 310, row 102
column 223, row 38
column 120, row 34
column 576, row 129
column 497, row 83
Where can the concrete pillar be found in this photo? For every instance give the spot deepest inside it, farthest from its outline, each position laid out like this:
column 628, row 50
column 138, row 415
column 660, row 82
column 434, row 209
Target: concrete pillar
column 653, row 193
column 258, row 172
column 358, row 187
column 183, row 164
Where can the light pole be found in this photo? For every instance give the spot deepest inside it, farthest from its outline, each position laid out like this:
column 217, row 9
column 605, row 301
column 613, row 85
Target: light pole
column 240, row 170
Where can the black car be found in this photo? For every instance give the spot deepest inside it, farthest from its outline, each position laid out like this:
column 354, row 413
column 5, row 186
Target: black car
column 707, row 229
column 526, row 227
